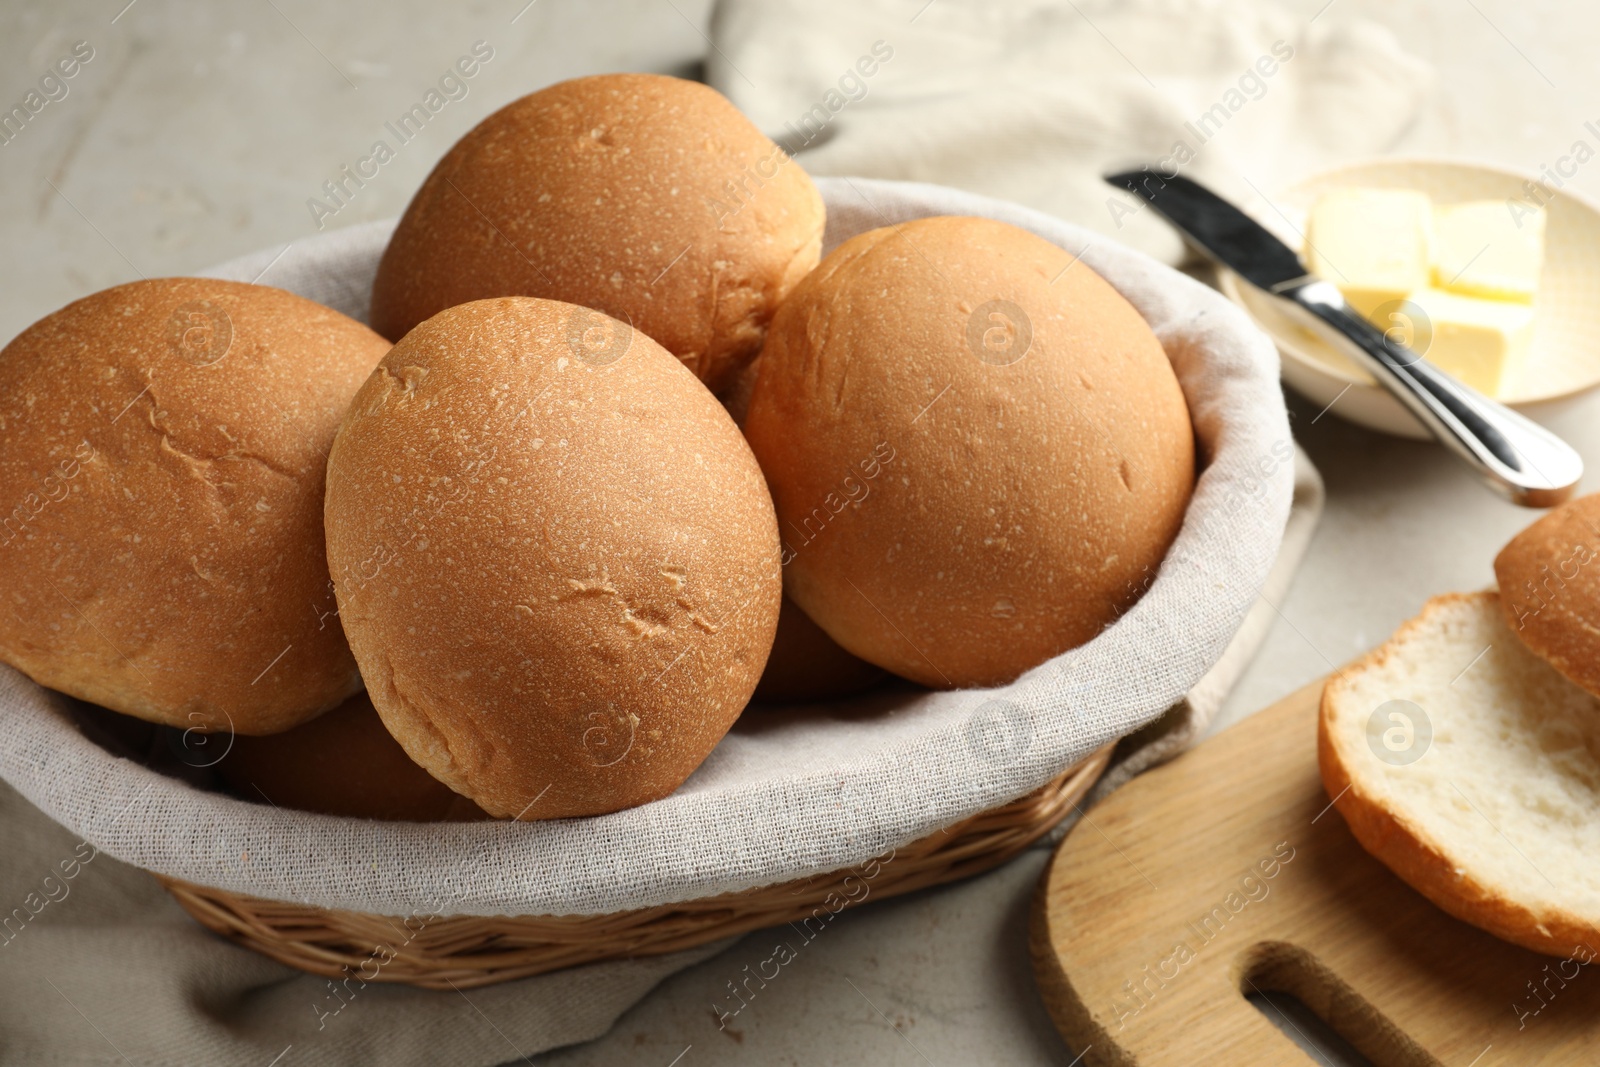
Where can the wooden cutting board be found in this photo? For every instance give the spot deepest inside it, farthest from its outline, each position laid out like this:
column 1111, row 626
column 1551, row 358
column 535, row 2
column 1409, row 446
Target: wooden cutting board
column 1227, row 872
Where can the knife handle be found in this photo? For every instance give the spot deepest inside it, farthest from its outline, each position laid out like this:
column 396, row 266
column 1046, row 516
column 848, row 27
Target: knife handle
column 1516, row 456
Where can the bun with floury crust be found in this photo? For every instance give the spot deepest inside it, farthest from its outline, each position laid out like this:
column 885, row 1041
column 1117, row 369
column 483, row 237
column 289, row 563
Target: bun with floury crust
column 978, row 451
column 161, row 469
column 649, row 198
column 560, row 574
column 1549, row 578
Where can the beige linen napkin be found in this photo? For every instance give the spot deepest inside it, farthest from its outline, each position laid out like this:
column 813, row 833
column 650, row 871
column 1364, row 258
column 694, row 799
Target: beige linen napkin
column 1034, row 100
column 98, row 965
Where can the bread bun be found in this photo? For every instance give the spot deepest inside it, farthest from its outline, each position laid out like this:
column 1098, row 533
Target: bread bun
column 1549, row 577
column 807, row 665
column 977, row 448
column 161, row 471
column 1471, row 769
column 649, row 198
column 341, row 763
column 560, row 576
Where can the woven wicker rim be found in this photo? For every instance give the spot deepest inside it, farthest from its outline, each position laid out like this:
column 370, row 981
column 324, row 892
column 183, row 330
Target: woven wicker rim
column 464, row 951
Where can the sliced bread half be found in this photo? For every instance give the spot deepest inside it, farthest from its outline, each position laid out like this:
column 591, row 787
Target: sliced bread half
column 1471, row 768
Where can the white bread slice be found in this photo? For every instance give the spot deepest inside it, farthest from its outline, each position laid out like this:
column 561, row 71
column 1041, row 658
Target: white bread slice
column 1498, row 821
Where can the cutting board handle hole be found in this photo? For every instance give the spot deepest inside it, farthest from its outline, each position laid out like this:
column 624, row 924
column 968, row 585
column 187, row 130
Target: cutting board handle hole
column 1305, row 1028
column 1311, row 1004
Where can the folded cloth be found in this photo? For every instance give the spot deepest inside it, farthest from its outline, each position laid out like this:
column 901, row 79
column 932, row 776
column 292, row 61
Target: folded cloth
column 1034, row 100
column 98, row 965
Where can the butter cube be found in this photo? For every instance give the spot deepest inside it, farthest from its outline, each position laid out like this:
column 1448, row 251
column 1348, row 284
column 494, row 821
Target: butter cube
column 1479, row 342
column 1374, row 244
column 1483, row 251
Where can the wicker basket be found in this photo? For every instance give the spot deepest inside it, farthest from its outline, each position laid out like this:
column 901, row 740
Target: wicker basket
column 464, row 951
column 949, row 753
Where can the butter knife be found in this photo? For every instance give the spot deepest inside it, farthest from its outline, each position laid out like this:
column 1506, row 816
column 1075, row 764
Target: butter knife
column 1513, row 455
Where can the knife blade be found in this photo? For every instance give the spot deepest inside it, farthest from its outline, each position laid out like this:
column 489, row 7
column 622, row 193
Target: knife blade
column 1221, row 230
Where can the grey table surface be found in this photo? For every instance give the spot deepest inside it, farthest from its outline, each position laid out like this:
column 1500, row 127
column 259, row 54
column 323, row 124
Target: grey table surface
column 198, row 132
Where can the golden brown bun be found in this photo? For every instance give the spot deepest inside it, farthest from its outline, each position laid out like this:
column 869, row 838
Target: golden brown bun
column 649, row 198
column 556, row 574
column 161, row 469
column 1493, row 817
column 807, row 665
column 964, row 495
column 341, row 763
column 1549, row 578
